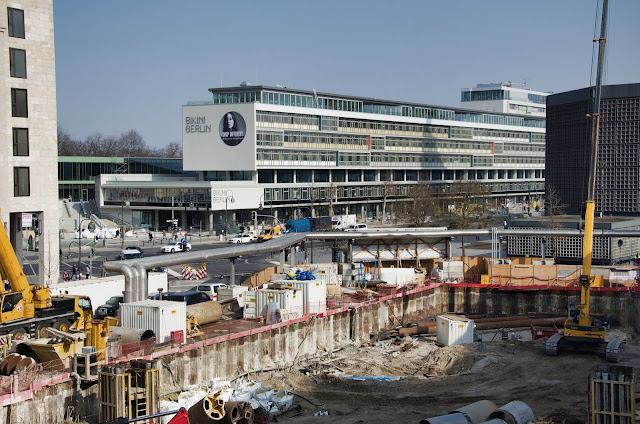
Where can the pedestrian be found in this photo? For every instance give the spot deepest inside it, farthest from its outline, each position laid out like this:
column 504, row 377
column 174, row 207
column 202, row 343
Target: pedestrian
column 88, row 271
column 60, row 253
column 65, row 276
column 74, row 272
column 164, row 234
column 150, row 237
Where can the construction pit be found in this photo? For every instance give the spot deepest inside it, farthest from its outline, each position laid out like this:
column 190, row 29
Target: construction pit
column 350, row 364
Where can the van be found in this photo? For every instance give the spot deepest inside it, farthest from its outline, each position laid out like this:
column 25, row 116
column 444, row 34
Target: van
column 357, row 227
column 211, row 289
column 130, row 253
column 189, row 297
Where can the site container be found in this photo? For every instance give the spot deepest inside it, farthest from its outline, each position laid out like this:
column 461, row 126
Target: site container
column 453, row 330
column 314, row 294
column 233, row 292
column 160, row 316
column 451, row 270
column 288, row 303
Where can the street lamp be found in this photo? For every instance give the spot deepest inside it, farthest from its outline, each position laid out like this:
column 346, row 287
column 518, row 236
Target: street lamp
column 80, row 221
column 122, row 222
column 227, row 197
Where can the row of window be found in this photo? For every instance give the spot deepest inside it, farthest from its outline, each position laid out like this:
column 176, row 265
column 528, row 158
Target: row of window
column 324, row 123
column 323, row 102
column 19, row 108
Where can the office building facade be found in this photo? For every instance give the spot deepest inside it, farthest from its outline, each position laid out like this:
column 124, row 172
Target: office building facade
column 618, row 164
column 291, row 153
column 28, row 151
column 505, row 98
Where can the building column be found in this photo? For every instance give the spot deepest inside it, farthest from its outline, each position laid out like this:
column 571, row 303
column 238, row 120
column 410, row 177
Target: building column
column 156, row 220
column 183, row 219
column 210, row 216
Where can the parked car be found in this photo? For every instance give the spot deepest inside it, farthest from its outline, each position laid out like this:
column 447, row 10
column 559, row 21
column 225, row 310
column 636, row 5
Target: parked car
column 175, row 247
column 357, row 227
column 242, row 239
column 109, row 309
column 190, row 297
column 211, row 289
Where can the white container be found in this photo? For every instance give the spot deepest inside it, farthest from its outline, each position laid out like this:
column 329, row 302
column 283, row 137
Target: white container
column 451, row 270
column 160, row 316
column 314, row 294
column 250, row 304
column 397, row 276
column 453, row 330
column 289, row 302
column 233, row 292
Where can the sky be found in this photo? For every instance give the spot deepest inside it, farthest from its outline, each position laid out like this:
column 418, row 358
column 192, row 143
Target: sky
column 123, row 65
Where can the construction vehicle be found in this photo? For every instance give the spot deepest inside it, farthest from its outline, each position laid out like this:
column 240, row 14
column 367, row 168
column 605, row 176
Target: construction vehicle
column 582, row 331
column 26, row 310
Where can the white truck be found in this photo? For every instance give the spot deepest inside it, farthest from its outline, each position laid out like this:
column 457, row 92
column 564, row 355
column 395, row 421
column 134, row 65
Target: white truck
column 342, row 222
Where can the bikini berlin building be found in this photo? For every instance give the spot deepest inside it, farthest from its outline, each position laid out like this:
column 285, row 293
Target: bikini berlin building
column 292, row 153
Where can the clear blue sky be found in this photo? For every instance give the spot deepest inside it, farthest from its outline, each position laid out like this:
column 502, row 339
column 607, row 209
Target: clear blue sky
column 124, row 65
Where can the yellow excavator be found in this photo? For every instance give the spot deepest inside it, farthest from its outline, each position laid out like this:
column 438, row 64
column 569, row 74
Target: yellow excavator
column 582, row 331
column 26, row 311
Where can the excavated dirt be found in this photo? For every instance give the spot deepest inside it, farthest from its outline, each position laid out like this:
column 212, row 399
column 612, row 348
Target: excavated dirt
column 436, row 380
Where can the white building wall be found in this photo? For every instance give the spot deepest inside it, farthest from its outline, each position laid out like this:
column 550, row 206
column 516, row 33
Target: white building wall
column 42, row 124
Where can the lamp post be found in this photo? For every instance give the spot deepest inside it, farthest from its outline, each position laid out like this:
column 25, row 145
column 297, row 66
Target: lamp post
column 227, row 197
column 122, row 222
column 80, row 221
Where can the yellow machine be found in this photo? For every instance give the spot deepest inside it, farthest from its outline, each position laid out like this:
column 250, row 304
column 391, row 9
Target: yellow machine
column 28, row 310
column 582, row 331
column 268, row 233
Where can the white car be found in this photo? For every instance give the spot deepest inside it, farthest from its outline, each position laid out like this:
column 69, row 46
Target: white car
column 174, row 247
column 242, row 239
column 357, row 227
column 211, row 289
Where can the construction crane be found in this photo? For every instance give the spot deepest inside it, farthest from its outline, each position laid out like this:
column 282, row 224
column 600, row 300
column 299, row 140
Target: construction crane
column 582, row 331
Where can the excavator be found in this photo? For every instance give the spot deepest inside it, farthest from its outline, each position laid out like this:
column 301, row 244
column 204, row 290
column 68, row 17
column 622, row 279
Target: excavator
column 582, row 331
column 27, row 311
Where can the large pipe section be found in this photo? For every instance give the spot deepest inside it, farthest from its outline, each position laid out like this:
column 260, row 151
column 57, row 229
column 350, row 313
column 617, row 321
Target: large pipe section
column 512, row 322
column 514, row 412
column 477, row 412
column 209, row 409
column 446, row 419
column 206, row 312
column 237, row 413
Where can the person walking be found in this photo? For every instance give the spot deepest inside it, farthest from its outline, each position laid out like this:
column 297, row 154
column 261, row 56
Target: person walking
column 87, row 271
column 74, row 272
column 65, row 276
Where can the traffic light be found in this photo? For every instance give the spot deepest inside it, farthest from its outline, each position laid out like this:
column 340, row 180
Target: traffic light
column 254, row 215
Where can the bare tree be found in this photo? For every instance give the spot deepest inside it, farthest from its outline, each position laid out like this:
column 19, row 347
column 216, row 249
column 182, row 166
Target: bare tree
column 553, row 207
column 468, row 198
column 421, row 205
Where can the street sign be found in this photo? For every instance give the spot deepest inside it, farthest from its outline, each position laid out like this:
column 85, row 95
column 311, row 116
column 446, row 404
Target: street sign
column 26, row 220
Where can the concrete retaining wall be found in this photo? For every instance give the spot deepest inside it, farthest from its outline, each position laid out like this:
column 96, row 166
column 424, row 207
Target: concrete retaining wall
column 291, row 343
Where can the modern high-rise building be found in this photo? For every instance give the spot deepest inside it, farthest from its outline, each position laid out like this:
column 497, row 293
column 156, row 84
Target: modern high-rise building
column 28, row 145
column 618, row 163
column 504, row 98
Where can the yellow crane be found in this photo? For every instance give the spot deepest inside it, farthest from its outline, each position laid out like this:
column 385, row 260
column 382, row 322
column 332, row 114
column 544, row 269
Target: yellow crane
column 582, row 331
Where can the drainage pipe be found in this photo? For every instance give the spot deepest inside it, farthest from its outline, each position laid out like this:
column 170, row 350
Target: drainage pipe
column 456, row 418
column 514, row 412
column 209, row 409
column 477, row 412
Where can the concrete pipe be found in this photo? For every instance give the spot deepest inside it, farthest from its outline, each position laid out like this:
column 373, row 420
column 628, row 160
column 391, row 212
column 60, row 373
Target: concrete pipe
column 237, row 413
column 477, row 412
column 446, row 419
column 25, row 362
column 494, row 421
column 514, row 412
column 6, row 360
column 129, row 335
column 206, row 312
column 209, row 409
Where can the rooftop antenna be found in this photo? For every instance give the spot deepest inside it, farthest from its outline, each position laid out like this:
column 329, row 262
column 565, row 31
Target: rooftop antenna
column 525, row 79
